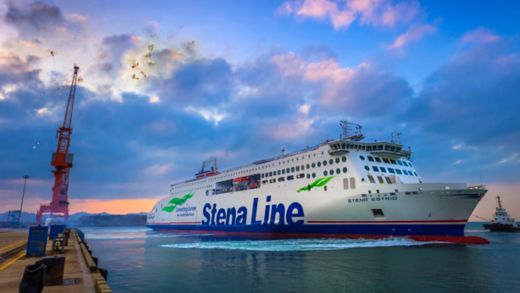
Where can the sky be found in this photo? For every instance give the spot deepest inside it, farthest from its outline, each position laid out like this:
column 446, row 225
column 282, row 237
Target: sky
column 165, row 85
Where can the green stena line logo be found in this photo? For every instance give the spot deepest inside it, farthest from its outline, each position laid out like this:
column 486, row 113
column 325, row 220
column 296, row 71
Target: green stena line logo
column 320, row 182
column 177, row 201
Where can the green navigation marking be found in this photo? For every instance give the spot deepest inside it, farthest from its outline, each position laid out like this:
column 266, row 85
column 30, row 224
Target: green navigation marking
column 320, row 182
column 177, row 201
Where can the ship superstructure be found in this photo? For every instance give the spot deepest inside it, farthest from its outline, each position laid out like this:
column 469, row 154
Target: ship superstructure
column 339, row 188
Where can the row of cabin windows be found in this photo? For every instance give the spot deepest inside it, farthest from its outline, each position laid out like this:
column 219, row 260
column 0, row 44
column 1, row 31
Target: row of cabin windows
column 283, row 171
column 331, row 172
column 303, row 167
column 289, row 178
column 381, row 179
column 387, row 161
column 391, row 170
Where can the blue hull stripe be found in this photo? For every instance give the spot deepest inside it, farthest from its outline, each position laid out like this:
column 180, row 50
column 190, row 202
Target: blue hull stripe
column 358, row 229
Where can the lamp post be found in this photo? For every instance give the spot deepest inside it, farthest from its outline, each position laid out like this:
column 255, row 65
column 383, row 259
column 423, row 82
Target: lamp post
column 25, row 177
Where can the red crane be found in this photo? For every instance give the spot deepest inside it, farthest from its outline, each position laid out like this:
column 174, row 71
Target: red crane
column 62, row 162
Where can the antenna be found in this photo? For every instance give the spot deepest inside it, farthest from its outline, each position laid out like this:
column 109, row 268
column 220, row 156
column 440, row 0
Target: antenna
column 350, row 131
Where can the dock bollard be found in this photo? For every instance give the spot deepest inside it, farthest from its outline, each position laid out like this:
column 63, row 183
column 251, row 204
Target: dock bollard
column 32, row 280
column 55, row 269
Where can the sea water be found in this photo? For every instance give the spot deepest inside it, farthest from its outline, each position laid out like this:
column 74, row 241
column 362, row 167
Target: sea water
column 142, row 260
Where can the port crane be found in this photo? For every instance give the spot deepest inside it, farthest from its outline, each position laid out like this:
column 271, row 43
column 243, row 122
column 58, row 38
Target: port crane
column 62, row 162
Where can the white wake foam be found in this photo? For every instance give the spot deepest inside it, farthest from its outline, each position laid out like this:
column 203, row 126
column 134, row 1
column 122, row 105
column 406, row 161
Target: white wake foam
column 298, row 244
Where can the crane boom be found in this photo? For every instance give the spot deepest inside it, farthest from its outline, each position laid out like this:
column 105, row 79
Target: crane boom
column 62, row 160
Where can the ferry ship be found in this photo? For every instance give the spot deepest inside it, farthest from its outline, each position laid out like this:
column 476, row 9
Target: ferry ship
column 341, row 188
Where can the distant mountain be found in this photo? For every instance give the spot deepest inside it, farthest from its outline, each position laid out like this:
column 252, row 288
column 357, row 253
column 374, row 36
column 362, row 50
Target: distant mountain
column 25, row 218
column 88, row 219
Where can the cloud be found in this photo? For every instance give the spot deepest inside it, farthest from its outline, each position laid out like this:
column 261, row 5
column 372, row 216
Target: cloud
column 477, row 91
column 479, row 35
column 343, row 13
column 457, row 162
column 513, row 158
column 39, row 19
column 413, row 34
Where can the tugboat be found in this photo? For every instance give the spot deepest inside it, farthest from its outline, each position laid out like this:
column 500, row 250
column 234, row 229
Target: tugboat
column 502, row 222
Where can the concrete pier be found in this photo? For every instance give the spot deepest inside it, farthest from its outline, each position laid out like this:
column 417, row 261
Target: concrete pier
column 81, row 273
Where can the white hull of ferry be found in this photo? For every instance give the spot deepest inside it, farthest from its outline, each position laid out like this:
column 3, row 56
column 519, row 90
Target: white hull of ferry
column 350, row 203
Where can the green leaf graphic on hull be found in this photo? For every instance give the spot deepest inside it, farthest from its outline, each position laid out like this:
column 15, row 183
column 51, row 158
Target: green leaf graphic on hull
column 320, row 182
column 177, row 201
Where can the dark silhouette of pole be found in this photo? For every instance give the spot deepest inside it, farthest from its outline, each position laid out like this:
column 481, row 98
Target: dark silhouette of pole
column 25, row 177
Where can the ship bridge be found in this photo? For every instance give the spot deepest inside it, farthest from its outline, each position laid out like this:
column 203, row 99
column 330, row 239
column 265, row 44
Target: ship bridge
column 389, row 150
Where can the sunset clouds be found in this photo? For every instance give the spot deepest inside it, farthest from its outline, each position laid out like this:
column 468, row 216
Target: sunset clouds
column 157, row 96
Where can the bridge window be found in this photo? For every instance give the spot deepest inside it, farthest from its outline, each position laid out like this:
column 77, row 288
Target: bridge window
column 362, row 158
column 382, row 169
column 399, row 162
column 399, row 171
column 375, row 168
column 290, row 177
column 370, row 158
column 367, row 168
column 378, row 159
column 392, row 161
column 386, row 161
column 391, row 170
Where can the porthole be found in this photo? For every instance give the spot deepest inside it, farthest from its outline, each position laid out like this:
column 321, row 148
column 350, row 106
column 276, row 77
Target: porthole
column 344, row 159
column 344, row 169
column 337, row 160
column 313, row 165
column 308, row 176
column 331, row 161
column 319, row 164
column 313, row 175
column 325, row 173
column 338, row 171
column 324, row 163
column 331, row 171
column 308, row 166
